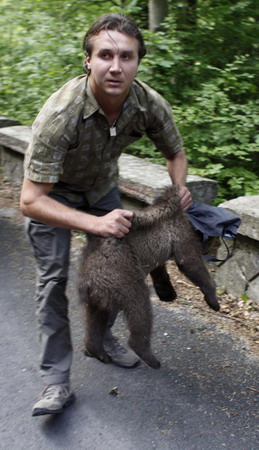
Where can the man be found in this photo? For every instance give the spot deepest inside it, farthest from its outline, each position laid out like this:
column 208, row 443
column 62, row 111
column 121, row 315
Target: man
column 71, row 181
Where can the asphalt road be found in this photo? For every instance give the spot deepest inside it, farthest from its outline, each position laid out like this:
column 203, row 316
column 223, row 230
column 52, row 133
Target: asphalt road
column 199, row 399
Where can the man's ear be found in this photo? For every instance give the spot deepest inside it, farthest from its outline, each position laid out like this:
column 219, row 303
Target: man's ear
column 87, row 63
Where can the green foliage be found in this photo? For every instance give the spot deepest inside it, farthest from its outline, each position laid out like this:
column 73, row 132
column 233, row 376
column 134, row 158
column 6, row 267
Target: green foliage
column 220, row 131
column 163, row 60
column 209, row 71
column 40, row 50
column 204, row 61
column 245, row 297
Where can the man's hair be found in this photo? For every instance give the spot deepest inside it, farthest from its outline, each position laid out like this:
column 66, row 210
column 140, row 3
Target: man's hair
column 119, row 22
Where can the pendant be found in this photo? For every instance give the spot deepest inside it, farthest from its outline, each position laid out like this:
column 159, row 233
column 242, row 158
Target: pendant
column 113, row 131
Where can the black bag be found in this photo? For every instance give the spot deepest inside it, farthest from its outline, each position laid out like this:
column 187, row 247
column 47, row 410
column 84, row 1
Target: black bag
column 213, row 221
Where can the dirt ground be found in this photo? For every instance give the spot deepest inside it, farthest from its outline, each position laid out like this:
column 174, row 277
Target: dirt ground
column 238, row 316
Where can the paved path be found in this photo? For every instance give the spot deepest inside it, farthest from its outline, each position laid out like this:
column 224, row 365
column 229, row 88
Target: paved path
column 197, row 400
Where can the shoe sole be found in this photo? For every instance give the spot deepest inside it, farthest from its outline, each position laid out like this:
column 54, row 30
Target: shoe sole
column 116, row 363
column 133, row 366
column 45, row 411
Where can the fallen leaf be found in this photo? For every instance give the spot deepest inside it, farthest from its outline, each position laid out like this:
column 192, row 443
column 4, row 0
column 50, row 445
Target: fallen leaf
column 114, row 391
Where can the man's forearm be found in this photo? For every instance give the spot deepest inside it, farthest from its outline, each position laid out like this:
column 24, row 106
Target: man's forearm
column 177, row 168
column 36, row 203
column 51, row 212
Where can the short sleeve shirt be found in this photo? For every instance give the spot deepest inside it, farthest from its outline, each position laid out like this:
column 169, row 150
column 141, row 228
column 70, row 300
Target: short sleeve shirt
column 72, row 145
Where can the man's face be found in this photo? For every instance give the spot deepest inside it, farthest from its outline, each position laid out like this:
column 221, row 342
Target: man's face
column 113, row 63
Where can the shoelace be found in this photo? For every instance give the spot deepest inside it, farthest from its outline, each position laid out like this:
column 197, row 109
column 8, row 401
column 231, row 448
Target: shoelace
column 115, row 345
column 54, row 390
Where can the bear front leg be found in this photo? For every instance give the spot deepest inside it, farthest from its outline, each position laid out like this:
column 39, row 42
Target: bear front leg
column 190, row 262
column 162, row 284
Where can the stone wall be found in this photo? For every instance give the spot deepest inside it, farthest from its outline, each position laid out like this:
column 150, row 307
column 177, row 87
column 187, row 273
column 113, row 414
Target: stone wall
column 143, row 180
column 240, row 274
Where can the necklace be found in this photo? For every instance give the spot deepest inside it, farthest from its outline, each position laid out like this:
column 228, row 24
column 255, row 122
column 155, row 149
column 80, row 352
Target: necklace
column 113, row 131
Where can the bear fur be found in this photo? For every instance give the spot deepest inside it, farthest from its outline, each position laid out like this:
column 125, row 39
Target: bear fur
column 113, row 271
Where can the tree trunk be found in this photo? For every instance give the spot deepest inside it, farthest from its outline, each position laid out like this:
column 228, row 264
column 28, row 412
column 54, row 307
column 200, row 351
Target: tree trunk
column 157, row 11
column 191, row 12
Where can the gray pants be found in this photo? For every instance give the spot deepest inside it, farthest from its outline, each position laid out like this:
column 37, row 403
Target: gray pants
column 51, row 248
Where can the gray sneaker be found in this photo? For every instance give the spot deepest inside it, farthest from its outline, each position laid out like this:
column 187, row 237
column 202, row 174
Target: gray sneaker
column 53, row 399
column 121, row 356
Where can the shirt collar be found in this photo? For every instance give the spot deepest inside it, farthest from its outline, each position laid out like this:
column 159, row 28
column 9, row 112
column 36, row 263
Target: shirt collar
column 132, row 99
column 91, row 105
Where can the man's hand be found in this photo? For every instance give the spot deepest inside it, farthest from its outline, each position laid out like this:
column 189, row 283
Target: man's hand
column 117, row 223
column 185, row 197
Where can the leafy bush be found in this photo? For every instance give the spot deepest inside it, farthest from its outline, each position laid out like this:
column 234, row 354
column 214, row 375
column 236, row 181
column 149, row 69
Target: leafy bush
column 216, row 109
column 220, row 130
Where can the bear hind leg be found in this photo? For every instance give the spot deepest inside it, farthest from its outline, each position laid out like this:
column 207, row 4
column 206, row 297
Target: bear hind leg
column 96, row 324
column 139, row 318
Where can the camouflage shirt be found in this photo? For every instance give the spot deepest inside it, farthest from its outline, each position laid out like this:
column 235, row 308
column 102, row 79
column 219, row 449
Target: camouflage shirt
column 73, row 146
